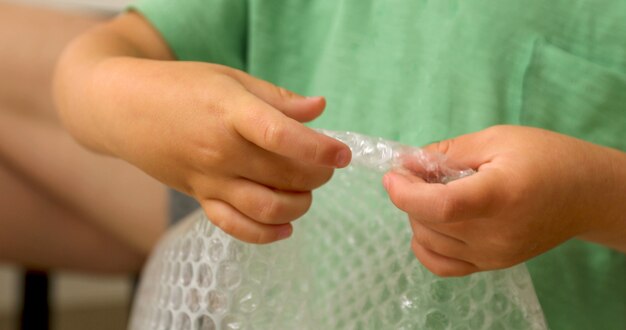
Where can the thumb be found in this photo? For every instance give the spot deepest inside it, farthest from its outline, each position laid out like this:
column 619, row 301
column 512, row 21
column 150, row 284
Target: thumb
column 465, row 151
column 293, row 105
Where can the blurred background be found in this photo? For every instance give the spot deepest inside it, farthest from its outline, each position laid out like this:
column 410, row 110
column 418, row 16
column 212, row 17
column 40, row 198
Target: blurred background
column 98, row 6
column 71, row 300
column 76, row 301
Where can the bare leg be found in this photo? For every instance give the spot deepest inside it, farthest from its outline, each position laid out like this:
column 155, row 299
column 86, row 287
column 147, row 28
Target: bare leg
column 109, row 193
column 32, row 40
column 84, row 194
column 36, row 232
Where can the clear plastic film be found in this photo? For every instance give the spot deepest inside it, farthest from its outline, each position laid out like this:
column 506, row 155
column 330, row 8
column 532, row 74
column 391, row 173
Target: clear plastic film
column 348, row 265
column 382, row 155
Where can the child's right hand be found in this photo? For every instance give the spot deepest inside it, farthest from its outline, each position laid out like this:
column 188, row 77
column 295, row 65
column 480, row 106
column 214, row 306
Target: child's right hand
column 234, row 142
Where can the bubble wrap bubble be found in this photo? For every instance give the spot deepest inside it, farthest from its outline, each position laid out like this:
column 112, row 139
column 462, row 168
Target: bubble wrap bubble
column 348, row 265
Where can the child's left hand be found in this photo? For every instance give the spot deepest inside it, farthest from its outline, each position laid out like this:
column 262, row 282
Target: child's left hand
column 533, row 190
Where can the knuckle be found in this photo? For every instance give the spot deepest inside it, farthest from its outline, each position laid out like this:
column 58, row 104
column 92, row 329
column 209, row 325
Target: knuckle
column 273, row 135
column 432, row 265
column 283, row 93
column 258, row 237
column 223, row 220
column 439, row 267
column 496, row 132
column 220, row 80
column 504, row 254
column 219, row 77
column 449, row 208
column 444, row 146
column 220, row 216
column 224, row 223
column 270, row 210
column 210, row 154
column 210, row 157
column 311, row 153
column 423, row 240
column 504, row 242
column 223, row 69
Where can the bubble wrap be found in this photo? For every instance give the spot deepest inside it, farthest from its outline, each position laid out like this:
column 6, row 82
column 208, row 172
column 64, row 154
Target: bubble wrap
column 348, row 265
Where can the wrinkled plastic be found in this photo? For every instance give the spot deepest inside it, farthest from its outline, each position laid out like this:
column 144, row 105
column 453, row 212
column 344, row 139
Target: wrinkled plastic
column 347, row 266
column 382, row 155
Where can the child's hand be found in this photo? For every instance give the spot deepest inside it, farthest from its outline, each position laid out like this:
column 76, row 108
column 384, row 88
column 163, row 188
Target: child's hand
column 234, row 142
column 534, row 189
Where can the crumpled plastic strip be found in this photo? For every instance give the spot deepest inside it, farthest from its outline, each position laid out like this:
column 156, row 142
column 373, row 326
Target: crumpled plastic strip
column 348, row 265
column 383, row 155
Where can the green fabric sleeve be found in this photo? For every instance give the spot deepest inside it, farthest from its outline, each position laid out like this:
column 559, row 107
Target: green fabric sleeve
column 199, row 30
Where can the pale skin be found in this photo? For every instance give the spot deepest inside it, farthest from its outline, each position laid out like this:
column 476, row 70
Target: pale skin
column 534, row 190
column 62, row 206
column 232, row 141
column 237, row 145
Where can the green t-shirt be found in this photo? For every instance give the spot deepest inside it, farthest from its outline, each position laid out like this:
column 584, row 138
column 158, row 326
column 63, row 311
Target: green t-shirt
column 421, row 71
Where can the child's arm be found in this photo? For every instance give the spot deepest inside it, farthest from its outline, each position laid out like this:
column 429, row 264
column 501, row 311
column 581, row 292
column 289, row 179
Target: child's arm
column 232, row 141
column 534, row 190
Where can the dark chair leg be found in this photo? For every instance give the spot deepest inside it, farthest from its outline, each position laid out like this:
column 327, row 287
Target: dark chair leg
column 35, row 314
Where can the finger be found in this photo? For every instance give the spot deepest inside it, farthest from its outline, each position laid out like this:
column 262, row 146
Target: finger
column 420, row 163
column 431, row 167
column 266, row 205
column 273, row 131
column 440, row 243
column 298, row 107
column 282, row 173
column 242, row 227
column 466, row 151
column 441, row 265
column 475, row 196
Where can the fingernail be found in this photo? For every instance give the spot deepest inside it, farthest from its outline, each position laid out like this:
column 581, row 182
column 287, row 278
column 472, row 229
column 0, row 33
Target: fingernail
column 314, row 97
column 343, row 158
